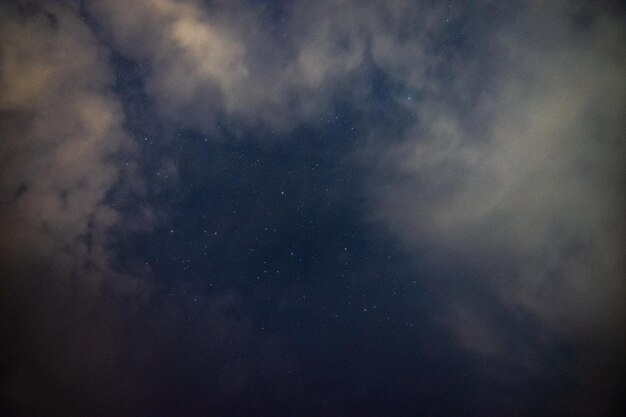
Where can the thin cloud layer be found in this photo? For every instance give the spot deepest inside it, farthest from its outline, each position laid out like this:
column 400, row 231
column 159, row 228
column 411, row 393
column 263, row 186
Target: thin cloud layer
column 234, row 60
column 533, row 161
column 64, row 145
column 531, row 171
column 63, row 149
column 80, row 336
column 522, row 179
column 493, row 136
column 513, row 156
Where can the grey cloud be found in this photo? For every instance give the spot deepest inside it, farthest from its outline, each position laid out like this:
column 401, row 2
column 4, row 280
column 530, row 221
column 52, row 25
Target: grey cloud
column 80, row 337
column 206, row 62
column 517, row 145
column 519, row 168
column 540, row 177
column 196, row 63
column 63, row 149
column 62, row 135
column 229, row 58
column 513, row 160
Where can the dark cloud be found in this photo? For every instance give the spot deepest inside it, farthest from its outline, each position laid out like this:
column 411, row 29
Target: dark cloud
column 532, row 170
column 311, row 208
column 79, row 336
column 523, row 176
column 235, row 59
column 63, row 129
column 63, row 149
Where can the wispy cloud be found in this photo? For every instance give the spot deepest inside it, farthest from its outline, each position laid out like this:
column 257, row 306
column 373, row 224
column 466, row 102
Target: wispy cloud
column 507, row 163
column 64, row 145
column 523, row 173
column 235, row 59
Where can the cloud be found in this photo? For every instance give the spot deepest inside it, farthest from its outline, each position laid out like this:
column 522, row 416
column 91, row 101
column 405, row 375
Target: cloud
column 533, row 170
column 63, row 144
column 63, row 150
column 195, row 63
column 236, row 60
column 515, row 167
column 81, row 337
column 511, row 162
column 515, row 140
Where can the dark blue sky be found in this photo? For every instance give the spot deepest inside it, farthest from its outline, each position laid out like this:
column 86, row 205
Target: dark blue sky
column 349, row 208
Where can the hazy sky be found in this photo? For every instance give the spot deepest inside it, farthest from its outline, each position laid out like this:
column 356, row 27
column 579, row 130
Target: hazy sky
column 341, row 208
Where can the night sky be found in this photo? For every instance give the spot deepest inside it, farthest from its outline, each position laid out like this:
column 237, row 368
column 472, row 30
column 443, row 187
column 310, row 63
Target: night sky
column 342, row 208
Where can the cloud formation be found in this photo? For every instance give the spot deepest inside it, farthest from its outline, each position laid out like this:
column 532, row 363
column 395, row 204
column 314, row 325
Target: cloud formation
column 514, row 150
column 516, row 171
column 63, row 149
column 236, row 60
column 63, row 135
column 532, row 170
column 81, row 337
column 508, row 160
